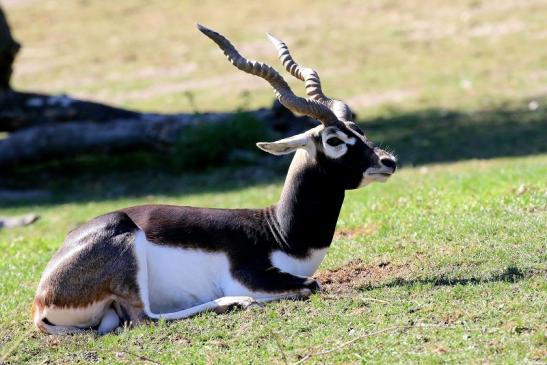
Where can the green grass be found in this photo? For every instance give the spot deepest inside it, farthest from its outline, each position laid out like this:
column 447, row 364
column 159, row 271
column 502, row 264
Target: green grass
column 469, row 237
column 447, row 85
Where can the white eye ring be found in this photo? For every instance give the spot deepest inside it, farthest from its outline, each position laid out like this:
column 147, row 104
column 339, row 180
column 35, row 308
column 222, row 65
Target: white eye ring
column 336, row 151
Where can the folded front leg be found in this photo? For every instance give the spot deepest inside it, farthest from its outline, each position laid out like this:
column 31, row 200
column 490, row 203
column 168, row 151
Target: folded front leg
column 273, row 284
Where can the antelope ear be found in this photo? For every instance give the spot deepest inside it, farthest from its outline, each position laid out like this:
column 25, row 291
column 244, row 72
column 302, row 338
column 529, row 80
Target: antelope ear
column 285, row 145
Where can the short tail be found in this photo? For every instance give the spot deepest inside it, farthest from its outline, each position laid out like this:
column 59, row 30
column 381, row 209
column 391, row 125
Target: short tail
column 45, row 326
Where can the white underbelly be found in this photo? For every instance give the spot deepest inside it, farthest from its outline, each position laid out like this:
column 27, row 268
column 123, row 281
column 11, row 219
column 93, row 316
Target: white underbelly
column 178, row 278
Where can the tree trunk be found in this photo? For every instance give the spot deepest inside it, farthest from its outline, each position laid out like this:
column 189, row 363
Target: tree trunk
column 8, row 50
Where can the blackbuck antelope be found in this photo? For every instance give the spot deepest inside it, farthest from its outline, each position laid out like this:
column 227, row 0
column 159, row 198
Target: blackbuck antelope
column 163, row 261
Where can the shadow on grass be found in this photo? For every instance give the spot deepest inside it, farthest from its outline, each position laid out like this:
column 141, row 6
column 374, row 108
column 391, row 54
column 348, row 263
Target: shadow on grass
column 433, row 136
column 80, row 185
column 510, row 275
column 428, row 136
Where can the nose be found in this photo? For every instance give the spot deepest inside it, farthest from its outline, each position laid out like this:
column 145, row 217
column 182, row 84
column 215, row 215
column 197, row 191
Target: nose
column 388, row 162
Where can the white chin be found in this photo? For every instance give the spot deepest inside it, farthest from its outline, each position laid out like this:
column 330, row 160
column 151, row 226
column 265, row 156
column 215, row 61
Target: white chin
column 367, row 179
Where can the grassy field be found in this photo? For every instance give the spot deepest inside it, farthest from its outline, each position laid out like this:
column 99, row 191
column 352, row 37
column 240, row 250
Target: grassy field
column 446, row 263
column 456, row 255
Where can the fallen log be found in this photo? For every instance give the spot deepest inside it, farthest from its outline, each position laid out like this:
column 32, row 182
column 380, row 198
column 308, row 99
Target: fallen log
column 18, row 221
column 149, row 131
column 40, row 143
column 20, row 110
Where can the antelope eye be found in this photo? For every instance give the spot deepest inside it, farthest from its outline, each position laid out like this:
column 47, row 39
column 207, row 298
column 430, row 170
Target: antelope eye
column 334, row 141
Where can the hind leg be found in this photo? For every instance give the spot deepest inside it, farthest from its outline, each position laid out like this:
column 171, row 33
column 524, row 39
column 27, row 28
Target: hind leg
column 109, row 322
column 130, row 310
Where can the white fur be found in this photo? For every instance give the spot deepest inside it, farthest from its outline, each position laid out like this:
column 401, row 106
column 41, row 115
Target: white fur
column 81, row 317
column 297, row 266
column 177, row 282
column 110, row 322
column 172, row 278
column 285, row 145
column 376, row 174
column 346, row 138
column 335, row 152
column 370, row 178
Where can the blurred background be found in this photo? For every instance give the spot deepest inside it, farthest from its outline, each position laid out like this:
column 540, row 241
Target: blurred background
column 435, row 81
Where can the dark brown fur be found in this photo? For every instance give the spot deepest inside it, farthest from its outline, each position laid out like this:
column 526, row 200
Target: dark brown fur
column 103, row 267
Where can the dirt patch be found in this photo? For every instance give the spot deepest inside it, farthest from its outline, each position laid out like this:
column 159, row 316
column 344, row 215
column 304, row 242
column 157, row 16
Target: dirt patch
column 355, row 275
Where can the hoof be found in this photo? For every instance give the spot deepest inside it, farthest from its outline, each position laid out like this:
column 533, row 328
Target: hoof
column 313, row 285
column 231, row 303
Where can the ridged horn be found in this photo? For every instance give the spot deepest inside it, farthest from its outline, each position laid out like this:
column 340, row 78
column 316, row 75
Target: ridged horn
column 283, row 92
column 311, row 80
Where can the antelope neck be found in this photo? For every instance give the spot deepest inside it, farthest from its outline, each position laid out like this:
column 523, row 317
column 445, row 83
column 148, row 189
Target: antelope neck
column 310, row 203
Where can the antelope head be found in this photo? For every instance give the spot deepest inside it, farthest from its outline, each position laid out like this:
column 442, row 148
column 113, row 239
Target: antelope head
column 338, row 145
